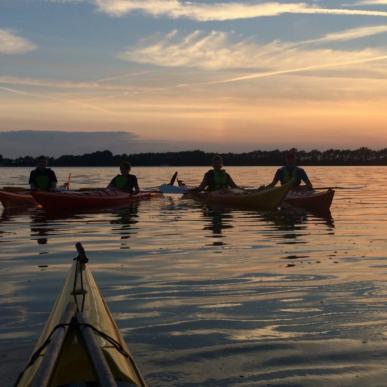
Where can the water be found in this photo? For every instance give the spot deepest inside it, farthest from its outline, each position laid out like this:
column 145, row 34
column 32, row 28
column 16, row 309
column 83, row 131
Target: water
column 212, row 298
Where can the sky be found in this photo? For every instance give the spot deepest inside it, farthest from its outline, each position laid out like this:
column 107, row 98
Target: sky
column 173, row 75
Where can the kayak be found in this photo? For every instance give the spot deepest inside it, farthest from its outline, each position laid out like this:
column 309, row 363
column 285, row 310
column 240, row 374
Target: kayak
column 80, row 343
column 266, row 199
column 84, row 200
column 311, row 200
column 16, row 199
column 14, row 188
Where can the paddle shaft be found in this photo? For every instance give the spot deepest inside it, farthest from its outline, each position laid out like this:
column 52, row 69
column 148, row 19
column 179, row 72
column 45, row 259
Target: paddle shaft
column 336, row 187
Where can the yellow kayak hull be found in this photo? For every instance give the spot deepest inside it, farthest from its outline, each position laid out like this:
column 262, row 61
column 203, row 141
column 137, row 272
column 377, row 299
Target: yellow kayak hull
column 73, row 364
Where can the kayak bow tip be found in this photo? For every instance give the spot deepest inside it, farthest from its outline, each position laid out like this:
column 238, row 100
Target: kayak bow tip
column 81, row 257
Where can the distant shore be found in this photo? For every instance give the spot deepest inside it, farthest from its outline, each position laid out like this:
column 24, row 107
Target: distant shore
column 332, row 157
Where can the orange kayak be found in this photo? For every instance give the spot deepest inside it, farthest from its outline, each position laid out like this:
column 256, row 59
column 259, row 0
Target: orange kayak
column 17, row 199
column 84, row 200
column 266, row 199
column 311, row 200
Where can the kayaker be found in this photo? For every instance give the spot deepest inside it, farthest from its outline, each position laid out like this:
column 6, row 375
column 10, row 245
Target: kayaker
column 42, row 178
column 216, row 178
column 125, row 181
column 291, row 172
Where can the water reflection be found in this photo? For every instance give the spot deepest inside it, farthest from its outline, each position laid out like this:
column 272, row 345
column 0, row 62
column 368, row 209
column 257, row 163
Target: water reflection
column 217, row 220
column 40, row 228
column 125, row 219
column 44, row 224
column 288, row 299
column 289, row 221
column 13, row 213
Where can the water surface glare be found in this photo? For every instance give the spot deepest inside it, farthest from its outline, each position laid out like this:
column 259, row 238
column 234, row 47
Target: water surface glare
column 209, row 297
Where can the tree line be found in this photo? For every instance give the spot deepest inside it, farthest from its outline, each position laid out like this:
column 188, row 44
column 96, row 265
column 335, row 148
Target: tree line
column 361, row 156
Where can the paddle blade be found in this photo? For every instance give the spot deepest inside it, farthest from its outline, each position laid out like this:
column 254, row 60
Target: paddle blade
column 173, row 179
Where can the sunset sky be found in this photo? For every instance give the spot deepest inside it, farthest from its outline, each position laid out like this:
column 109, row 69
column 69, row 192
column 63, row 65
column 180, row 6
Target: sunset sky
column 215, row 75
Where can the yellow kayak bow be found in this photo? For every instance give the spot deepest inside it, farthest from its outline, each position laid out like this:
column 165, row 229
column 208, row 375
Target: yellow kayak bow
column 80, row 342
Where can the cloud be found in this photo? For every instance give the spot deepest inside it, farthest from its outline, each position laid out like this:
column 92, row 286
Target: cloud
column 301, row 69
column 220, row 51
column 351, row 34
column 10, row 43
column 197, row 49
column 55, row 143
column 220, row 11
column 371, row 2
column 97, row 85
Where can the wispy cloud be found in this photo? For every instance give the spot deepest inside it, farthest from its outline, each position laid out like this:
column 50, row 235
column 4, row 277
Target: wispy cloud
column 221, row 11
column 314, row 67
column 371, row 2
column 64, row 1
column 106, row 84
column 197, row 49
column 219, row 50
column 351, row 34
column 45, row 95
column 11, row 43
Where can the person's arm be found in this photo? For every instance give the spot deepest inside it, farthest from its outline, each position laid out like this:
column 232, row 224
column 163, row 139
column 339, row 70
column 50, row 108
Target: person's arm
column 304, row 177
column 202, row 185
column 135, row 185
column 53, row 181
column 31, row 181
column 231, row 182
column 111, row 185
column 276, row 179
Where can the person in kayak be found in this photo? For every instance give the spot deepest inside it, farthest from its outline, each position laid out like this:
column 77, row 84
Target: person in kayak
column 125, row 181
column 291, row 172
column 216, row 178
column 42, row 178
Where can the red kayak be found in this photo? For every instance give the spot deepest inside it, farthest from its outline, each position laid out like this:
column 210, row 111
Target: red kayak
column 84, row 200
column 311, row 200
column 17, row 199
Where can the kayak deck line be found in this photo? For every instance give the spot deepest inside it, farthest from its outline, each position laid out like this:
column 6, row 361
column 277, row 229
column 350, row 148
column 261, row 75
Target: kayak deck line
column 80, row 336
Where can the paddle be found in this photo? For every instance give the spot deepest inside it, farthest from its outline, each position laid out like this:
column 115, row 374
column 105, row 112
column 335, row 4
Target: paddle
column 173, row 178
column 336, row 187
column 67, row 184
column 171, row 188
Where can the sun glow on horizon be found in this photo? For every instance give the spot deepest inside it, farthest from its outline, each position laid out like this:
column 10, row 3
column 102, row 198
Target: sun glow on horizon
column 202, row 82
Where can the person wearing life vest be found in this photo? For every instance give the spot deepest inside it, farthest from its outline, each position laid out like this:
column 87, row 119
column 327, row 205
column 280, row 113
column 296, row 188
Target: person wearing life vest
column 290, row 172
column 125, row 181
column 216, row 178
column 42, row 178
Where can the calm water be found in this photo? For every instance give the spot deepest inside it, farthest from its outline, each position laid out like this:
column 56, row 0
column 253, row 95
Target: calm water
column 209, row 298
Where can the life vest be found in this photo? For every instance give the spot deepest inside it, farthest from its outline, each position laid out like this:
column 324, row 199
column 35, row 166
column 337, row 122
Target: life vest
column 218, row 180
column 121, row 182
column 290, row 175
column 42, row 182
